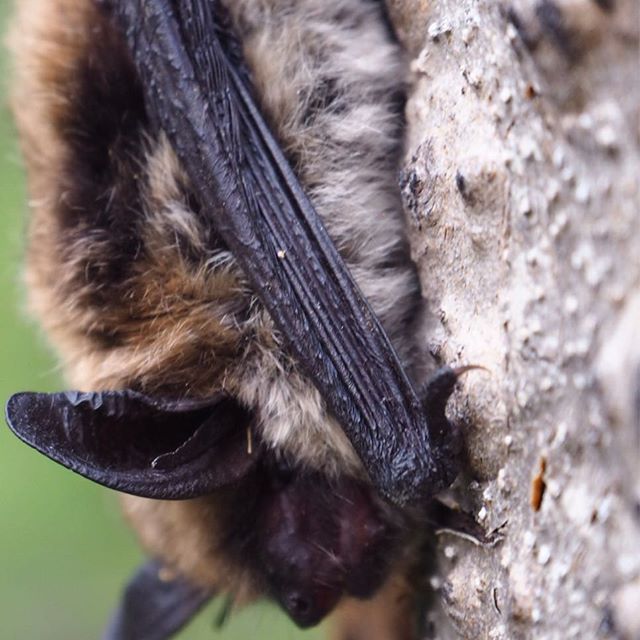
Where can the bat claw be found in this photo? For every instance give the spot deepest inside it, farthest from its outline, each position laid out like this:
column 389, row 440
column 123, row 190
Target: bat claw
column 460, row 371
column 446, row 519
column 446, row 437
column 440, row 385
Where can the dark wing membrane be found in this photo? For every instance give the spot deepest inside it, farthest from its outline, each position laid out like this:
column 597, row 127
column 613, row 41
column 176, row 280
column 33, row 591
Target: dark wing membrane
column 198, row 92
column 154, row 607
column 144, row 446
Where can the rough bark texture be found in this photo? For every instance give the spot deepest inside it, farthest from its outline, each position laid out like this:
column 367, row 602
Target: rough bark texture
column 521, row 184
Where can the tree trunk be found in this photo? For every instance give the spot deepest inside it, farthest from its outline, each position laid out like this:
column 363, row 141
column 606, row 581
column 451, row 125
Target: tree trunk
column 521, row 186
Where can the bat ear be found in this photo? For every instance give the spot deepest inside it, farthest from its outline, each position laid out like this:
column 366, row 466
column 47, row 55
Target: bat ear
column 124, row 440
column 154, row 607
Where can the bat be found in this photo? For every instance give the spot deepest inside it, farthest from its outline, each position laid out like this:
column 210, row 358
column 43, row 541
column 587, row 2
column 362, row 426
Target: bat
column 217, row 249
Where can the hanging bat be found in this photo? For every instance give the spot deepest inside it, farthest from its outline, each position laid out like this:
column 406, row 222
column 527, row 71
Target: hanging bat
column 217, row 248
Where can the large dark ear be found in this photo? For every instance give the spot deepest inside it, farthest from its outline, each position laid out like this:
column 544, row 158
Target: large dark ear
column 154, row 607
column 151, row 447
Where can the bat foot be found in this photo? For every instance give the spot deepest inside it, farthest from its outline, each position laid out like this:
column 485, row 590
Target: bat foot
column 436, row 391
column 446, row 519
column 446, row 437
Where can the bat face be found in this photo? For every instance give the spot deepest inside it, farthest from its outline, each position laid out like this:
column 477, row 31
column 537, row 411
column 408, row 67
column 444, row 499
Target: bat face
column 175, row 257
column 321, row 540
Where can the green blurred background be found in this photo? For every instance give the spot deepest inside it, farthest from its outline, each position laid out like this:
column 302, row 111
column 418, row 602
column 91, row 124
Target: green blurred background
column 64, row 551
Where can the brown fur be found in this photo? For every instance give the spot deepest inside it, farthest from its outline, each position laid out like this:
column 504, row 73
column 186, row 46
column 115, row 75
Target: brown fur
column 124, row 269
column 389, row 615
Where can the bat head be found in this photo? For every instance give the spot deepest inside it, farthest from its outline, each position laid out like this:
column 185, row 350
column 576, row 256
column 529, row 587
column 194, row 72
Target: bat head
column 312, row 539
column 321, row 539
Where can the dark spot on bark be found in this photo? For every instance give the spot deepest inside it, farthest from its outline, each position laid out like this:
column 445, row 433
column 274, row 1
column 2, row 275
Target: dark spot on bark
column 464, row 188
column 538, row 485
column 607, row 627
column 461, row 183
column 496, row 603
column 417, row 186
column 412, row 189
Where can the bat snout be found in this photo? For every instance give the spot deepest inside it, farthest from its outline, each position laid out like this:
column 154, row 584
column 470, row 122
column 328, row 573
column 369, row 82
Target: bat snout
column 307, row 609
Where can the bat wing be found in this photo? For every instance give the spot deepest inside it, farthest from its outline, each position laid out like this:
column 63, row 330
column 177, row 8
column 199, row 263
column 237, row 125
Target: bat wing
column 132, row 443
column 198, row 91
column 153, row 608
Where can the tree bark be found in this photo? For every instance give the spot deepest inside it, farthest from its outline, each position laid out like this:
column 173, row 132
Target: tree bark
column 521, row 187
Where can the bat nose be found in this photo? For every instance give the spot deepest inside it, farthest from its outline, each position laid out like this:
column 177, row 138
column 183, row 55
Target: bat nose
column 307, row 610
column 298, row 604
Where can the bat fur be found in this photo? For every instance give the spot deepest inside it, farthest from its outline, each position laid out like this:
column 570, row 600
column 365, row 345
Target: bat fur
column 120, row 266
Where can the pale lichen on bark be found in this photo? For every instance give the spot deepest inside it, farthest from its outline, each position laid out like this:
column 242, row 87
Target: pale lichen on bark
column 521, row 186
